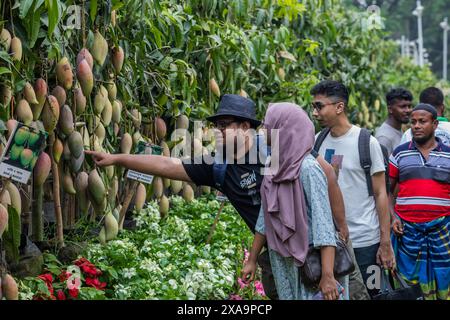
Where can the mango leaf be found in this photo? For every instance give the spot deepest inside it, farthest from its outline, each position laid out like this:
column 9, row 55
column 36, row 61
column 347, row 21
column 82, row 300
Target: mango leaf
column 25, row 6
column 93, row 10
column 11, row 237
column 4, row 70
column 53, row 15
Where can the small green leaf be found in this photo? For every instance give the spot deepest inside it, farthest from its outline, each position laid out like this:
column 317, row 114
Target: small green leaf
column 93, row 10
column 4, row 70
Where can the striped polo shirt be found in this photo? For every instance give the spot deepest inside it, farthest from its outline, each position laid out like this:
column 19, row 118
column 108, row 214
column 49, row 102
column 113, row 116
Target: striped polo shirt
column 424, row 185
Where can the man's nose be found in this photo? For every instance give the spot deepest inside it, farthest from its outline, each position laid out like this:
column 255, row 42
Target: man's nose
column 315, row 113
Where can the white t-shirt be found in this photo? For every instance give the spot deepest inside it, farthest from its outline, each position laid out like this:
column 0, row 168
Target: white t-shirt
column 442, row 132
column 360, row 210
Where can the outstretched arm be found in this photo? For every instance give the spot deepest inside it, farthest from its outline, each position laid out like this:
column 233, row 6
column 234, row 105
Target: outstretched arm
column 161, row 166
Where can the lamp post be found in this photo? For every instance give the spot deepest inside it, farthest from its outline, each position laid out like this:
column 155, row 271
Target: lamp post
column 418, row 12
column 444, row 25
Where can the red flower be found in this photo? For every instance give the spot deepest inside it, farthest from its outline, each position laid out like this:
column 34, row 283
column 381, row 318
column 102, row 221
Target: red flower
column 95, row 283
column 61, row 295
column 88, row 268
column 74, row 293
column 64, row 275
column 46, row 277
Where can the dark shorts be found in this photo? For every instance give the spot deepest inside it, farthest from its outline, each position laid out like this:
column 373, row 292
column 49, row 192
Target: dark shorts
column 367, row 257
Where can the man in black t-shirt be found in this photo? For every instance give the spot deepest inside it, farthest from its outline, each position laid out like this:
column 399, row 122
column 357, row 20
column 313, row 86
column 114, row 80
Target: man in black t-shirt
column 234, row 122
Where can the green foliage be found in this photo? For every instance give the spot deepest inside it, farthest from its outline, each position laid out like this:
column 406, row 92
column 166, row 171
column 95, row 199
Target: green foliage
column 169, row 259
column 173, row 49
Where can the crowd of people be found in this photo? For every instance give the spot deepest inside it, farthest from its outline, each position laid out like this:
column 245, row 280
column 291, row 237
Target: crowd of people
column 387, row 197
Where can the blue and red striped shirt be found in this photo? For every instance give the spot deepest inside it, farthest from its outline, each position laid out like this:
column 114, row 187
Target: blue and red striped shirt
column 424, row 185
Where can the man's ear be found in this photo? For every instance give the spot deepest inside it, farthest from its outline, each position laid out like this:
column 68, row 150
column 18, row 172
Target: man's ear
column 340, row 108
column 245, row 125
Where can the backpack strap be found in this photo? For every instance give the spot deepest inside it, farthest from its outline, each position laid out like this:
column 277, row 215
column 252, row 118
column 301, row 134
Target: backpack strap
column 322, row 135
column 364, row 157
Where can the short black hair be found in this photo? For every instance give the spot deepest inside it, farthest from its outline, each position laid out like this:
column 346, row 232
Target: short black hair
column 433, row 96
column 398, row 94
column 331, row 88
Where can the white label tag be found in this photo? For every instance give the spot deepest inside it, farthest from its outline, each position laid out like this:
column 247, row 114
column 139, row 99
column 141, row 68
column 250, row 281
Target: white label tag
column 144, row 178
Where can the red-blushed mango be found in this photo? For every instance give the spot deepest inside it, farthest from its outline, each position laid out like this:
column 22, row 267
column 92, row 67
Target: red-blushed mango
column 79, row 101
column 41, row 91
column 118, row 57
column 29, row 94
column 58, row 149
column 85, row 77
column 9, row 287
column 84, row 54
column 11, row 125
column 64, row 73
column 60, row 94
column 50, row 113
column 42, row 169
column 23, row 112
column 161, row 128
column 25, row 157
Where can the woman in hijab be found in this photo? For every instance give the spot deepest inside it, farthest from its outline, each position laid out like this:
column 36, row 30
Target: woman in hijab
column 295, row 210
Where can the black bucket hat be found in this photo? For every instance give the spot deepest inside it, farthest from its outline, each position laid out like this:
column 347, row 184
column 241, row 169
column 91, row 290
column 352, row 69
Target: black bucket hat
column 236, row 106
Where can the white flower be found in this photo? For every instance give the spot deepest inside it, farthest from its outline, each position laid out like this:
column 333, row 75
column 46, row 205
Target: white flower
column 129, row 273
column 173, row 284
column 191, row 295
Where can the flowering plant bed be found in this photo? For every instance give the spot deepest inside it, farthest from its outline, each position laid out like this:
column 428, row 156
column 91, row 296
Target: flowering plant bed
column 165, row 258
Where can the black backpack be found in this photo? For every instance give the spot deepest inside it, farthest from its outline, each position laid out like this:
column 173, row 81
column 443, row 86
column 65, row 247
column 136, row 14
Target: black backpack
column 364, row 155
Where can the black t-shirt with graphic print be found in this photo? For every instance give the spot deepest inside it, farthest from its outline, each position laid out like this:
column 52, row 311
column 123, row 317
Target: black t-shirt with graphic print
column 241, row 185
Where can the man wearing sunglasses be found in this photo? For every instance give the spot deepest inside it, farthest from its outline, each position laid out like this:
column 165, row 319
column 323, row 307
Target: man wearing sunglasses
column 234, row 122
